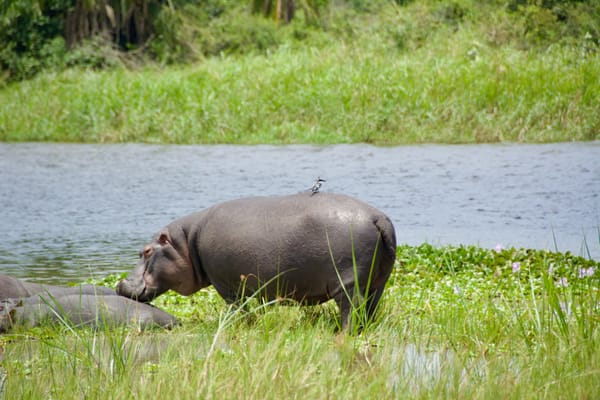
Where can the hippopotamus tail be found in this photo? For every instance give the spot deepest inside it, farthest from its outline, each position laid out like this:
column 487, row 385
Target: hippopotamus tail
column 388, row 240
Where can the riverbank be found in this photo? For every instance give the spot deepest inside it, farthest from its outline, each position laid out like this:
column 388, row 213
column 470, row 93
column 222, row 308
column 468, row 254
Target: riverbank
column 455, row 322
column 452, row 88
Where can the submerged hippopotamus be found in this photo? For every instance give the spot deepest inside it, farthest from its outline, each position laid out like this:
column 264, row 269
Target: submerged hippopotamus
column 30, row 304
column 308, row 247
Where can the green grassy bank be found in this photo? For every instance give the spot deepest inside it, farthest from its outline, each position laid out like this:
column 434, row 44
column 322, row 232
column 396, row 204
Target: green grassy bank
column 455, row 322
column 340, row 95
column 395, row 75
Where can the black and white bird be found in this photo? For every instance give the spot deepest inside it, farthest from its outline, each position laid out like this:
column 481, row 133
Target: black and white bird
column 317, row 185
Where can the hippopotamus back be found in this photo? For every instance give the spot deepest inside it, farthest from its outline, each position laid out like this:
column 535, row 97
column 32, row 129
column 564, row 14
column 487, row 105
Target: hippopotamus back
column 13, row 288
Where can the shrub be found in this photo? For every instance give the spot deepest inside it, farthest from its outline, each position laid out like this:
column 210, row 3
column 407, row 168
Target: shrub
column 545, row 22
column 30, row 33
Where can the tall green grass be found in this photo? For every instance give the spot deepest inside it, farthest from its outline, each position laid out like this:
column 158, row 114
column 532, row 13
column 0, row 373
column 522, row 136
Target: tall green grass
column 339, row 95
column 394, row 76
column 455, row 322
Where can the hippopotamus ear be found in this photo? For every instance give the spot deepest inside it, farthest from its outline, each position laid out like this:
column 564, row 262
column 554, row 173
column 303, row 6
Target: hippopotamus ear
column 164, row 238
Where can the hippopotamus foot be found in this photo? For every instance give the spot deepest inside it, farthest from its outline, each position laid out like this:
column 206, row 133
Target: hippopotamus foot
column 357, row 311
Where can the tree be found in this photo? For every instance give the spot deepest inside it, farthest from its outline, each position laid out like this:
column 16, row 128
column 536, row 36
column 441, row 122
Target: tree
column 127, row 23
column 280, row 10
column 284, row 10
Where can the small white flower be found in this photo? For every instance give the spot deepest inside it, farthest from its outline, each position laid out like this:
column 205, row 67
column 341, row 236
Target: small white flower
column 586, row 272
column 516, row 267
column 562, row 282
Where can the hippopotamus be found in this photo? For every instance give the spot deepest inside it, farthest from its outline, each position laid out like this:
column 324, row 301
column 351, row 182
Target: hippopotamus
column 15, row 288
column 31, row 304
column 86, row 309
column 308, row 247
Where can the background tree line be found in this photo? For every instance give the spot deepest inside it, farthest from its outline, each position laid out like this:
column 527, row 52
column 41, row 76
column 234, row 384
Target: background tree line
column 43, row 34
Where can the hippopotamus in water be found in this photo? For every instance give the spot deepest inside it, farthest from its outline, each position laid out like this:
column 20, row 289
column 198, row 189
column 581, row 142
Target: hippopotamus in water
column 30, row 304
column 308, row 247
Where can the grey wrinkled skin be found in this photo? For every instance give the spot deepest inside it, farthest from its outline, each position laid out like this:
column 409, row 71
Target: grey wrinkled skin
column 302, row 247
column 13, row 288
column 31, row 304
column 78, row 310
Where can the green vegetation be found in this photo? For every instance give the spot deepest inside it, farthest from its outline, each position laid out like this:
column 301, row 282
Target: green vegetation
column 363, row 71
column 455, row 322
column 316, row 96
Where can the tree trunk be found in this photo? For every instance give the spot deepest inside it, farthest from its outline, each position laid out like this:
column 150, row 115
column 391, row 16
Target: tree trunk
column 284, row 9
column 124, row 25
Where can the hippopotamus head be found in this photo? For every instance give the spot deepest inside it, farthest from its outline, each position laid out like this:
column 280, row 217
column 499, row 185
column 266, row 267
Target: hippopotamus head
column 164, row 264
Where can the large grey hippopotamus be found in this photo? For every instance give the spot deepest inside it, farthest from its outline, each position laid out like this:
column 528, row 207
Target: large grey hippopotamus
column 309, row 247
column 30, row 304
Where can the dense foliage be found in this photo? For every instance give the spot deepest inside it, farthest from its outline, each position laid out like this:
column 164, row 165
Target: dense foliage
column 55, row 34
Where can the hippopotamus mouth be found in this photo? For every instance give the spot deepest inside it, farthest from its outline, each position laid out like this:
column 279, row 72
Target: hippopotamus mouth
column 141, row 293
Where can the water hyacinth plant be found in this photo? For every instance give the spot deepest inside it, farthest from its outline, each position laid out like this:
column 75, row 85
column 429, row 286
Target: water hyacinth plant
column 455, row 322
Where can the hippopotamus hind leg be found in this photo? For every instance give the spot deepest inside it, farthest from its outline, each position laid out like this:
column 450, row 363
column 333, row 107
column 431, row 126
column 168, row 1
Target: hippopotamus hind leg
column 357, row 311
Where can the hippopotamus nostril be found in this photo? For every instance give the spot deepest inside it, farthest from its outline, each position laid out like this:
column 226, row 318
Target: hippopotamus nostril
column 148, row 251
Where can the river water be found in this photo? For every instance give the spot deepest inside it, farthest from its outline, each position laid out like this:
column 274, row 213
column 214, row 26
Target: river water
column 70, row 211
